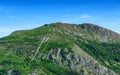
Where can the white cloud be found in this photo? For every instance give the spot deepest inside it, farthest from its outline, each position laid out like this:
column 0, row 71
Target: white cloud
column 77, row 18
column 85, row 16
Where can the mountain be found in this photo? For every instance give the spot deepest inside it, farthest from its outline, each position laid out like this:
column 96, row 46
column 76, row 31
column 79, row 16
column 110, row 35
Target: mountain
column 61, row 49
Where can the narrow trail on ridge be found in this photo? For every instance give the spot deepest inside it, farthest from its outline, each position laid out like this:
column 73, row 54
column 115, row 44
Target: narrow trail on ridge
column 45, row 39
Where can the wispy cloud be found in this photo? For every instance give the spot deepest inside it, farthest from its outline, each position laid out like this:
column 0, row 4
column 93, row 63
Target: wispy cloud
column 13, row 16
column 77, row 18
column 85, row 17
column 9, row 12
column 5, row 9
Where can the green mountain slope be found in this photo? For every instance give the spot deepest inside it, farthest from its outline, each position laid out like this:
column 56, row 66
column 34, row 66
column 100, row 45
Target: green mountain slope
column 61, row 49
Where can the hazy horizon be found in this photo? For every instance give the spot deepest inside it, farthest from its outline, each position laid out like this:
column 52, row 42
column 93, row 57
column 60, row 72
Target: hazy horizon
column 28, row 14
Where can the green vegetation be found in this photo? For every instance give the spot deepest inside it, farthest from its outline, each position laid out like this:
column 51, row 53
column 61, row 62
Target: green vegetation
column 23, row 66
column 108, row 54
column 55, row 44
column 17, row 50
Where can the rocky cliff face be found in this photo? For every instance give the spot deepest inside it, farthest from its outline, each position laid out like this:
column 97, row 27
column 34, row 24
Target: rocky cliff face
column 61, row 49
column 89, row 31
column 77, row 60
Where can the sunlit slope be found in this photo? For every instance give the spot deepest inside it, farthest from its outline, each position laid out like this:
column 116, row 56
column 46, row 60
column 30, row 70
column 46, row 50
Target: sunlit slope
column 61, row 49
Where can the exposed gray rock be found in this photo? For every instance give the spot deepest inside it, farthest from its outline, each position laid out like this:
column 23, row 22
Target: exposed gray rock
column 79, row 61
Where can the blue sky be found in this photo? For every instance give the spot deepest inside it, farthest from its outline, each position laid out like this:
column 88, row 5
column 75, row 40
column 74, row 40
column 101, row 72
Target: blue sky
column 27, row 14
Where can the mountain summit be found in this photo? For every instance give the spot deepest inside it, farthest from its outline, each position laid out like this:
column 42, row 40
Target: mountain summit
column 61, row 49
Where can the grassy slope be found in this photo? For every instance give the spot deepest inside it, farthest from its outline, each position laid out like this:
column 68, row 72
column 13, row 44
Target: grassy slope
column 23, row 66
column 107, row 54
column 20, row 46
column 24, row 43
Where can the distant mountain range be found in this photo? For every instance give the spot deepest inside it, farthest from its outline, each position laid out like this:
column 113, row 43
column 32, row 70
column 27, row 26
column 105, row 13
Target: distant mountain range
column 61, row 49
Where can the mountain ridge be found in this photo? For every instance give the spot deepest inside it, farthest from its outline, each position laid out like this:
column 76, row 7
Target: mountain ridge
column 67, row 25
column 58, row 44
